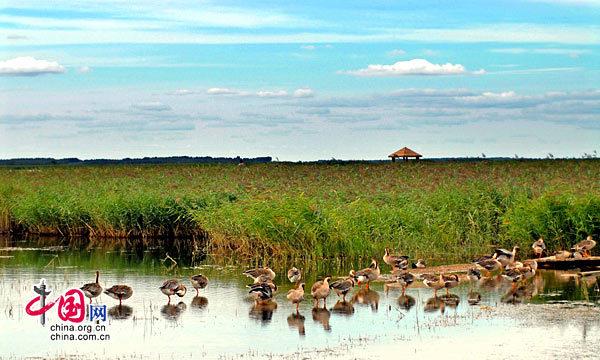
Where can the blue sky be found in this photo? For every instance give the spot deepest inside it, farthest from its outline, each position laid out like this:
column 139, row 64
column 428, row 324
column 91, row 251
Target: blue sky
column 299, row 80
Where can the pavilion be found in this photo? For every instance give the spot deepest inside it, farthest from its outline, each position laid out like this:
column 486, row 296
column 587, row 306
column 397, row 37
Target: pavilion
column 404, row 153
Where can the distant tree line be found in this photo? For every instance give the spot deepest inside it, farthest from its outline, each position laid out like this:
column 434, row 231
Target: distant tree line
column 135, row 161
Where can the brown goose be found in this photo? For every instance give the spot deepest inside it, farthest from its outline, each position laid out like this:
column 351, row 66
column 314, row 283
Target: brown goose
column 296, row 296
column 561, row 254
column 539, row 247
column 199, row 282
column 506, row 257
column 585, row 245
column 266, row 271
column 343, row 286
column 173, row 287
column 120, row 292
column 474, row 276
column 92, row 290
column 489, row 265
column 367, row 275
column 450, row 281
column 434, row 282
column 320, row 290
column 394, row 260
column 405, row 280
column 294, row 275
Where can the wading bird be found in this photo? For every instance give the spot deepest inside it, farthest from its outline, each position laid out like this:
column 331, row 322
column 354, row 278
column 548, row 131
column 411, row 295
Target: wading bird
column 434, row 282
column 199, row 282
column 405, row 280
column 474, row 276
column 585, row 245
column 119, row 292
column 367, row 275
column 266, row 272
column 296, row 296
column 94, row 289
column 420, row 264
column 294, row 275
column 506, row 257
column 342, row 287
column 489, row 265
column 539, row 247
column 450, row 281
column 173, row 287
column 320, row 290
column 395, row 261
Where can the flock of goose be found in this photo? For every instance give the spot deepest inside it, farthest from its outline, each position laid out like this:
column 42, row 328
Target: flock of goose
column 264, row 289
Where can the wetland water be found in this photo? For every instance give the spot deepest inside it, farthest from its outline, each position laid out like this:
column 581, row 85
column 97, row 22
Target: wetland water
column 555, row 315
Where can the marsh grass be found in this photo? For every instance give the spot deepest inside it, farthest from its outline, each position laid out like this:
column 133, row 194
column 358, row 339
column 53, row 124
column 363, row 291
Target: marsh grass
column 312, row 211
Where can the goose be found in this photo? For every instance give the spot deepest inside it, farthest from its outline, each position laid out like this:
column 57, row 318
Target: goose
column 320, row 290
column 367, row 275
column 434, row 282
column 450, row 281
column 259, row 281
column 394, row 260
column 92, row 290
column 294, row 275
column 254, row 273
column 539, row 247
column 489, row 265
column 120, row 292
column 405, row 280
column 577, row 255
column 528, row 270
column 561, row 254
column 585, row 245
column 474, row 275
column 262, row 290
column 484, row 257
column 295, row 296
column 173, row 287
column 420, row 264
column 342, row 287
column 199, row 282
column 513, row 275
column 506, row 257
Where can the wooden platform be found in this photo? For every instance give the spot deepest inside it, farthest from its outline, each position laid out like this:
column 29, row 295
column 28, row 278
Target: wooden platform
column 550, row 262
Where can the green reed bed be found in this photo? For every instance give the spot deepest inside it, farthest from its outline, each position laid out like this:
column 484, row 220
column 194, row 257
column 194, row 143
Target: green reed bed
column 329, row 210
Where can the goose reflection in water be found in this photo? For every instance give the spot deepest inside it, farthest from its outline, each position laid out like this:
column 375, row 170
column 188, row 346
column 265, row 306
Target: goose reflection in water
column 343, row 308
column 322, row 315
column 367, row 297
column 120, row 312
column 172, row 312
column 433, row 304
column 450, row 300
column 473, row 298
column 263, row 311
column 406, row 302
column 491, row 283
column 296, row 320
column 199, row 302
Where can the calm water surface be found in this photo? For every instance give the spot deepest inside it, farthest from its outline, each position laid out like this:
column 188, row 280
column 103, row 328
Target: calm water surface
column 555, row 315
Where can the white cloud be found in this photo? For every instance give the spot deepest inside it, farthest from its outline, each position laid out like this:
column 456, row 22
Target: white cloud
column 553, row 51
column 84, row 69
column 152, row 106
column 415, row 67
column 304, row 92
column 15, row 37
column 29, row 66
column 181, row 92
column 397, row 52
column 307, row 47
column 278, row 93
column 222, row 91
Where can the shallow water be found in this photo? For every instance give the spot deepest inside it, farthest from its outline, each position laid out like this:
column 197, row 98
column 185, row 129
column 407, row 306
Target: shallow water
column 224, row 322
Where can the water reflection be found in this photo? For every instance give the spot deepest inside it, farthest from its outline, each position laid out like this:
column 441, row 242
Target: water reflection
column 296, row 320
column 199, row 302
column 406, row 302
column 343, row 308
column 263, row 311
column 121, row 312
column 172, row 312
column 367, row 297
column 473, row 298
column 433, row 304
column 450, row 300
column 322, row 315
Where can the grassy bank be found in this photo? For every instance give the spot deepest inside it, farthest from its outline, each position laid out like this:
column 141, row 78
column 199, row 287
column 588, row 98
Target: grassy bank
column 433, row 210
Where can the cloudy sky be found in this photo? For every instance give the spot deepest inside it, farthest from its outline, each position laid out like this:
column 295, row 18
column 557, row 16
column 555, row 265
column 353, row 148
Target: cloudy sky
column 299, row 80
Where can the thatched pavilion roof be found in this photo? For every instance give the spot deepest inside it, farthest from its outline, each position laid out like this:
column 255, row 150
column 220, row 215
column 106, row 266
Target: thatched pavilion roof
column 405, row 152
